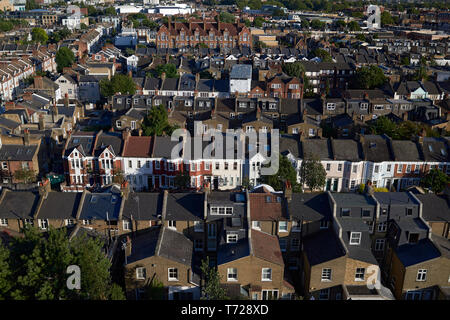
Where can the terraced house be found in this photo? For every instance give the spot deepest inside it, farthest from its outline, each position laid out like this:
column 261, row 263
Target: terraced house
column 213, row 34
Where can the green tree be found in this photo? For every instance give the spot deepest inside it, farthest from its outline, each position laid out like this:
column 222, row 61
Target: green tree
column 386, row 18
column 353, row 26
column 170, row 69
column 31, row 5
column 435, row 180
column 317, row 24
column 258, row 22
column 156, row 123
column 226, row 17
column 369, row 77
column 155, row 290
column 118, row 83
column 340, row 24
column 64, row 58
column 110, row 11
column 312, row 173
column 182, row 180
column 404, row 61
column 322, row 54
column 83, row 26
column 212, row 289
column 6, row 281
column 39, row 35
column 286, row 172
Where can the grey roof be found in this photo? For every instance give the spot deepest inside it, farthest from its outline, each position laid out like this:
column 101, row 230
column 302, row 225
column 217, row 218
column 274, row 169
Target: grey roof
column 17, row 152
column 60, row 205
column 395, row 198
column 8, row 123
column 181, row 252
column 112, row 139
column 101, row 206
column 227, row 252
column 170, row 84
column 353, row 200
column 412, row 254
column 143, row 206
column 184, row 206
column 241, row 71
column 435, row 207
column 347, row 149
column 290, row 144
column 163, row 147
column 405, row 150
column 310, row 206
column 323, row 246
column 435, row 149
column 376, row 148
column 85, row 140
column 317, row 147
column 144, row 245
column 18, row 204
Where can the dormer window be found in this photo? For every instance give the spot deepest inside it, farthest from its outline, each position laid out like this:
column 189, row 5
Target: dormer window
column 345, row 212
column 331, row 106
column 232, row 237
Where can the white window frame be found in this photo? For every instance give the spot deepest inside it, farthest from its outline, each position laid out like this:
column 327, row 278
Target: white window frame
column 265, row 272
column 351, row 241
column 232, row 237
column 358, row 272
column 379, row 244
column 282, row 229
column 172, row 270
column 140, row 273
column 326, row 275
column 126, row 225
column 421, row 275
column 233, row 273
column 256, row 225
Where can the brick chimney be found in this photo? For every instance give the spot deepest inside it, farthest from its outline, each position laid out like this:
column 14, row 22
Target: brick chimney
column 125, row 190
column 38, row 82
column 125, row 134
column 41, row 124
column 287, row 191
column 26, row 137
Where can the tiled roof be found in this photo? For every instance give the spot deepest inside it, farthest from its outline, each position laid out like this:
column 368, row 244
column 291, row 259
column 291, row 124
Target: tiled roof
column 266, row 246
column 138, row 147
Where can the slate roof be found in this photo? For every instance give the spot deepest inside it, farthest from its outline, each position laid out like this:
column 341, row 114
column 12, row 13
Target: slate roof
column 405, row 150
column 435, row 207
column 163, row 147
column 241, row 71
column 112, row 139
column 181, row 252
column 310, row 206
column 85, row 140
column 60, row 205
column 290, row 144
column 376, row 148
column 323, row 246
column 347, row 149
column 18, row 204
column 143, row 206
column 101, row 206
column 17, row 152
column 435, row 149
column 317, row 147
column 412, row 254
column 184, row 206
column 353, row 200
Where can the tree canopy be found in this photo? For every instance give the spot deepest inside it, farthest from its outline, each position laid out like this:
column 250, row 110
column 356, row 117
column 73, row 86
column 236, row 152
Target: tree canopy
column 212, row 289
column 156, row 123
column 34, row 267
column 286, row 172
column 369, row 77
column 64, row 58
column 312, row 173
column 39, row 35
column 118, row 83
column 436, row 180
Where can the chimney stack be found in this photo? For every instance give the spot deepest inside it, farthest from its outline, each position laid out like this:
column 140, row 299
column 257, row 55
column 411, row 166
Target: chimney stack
column 41, row 125
column 125, row 190
column 288, row 190
column 28, row 96
column 128, row 247
column 26, row 137
column 125, row 134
